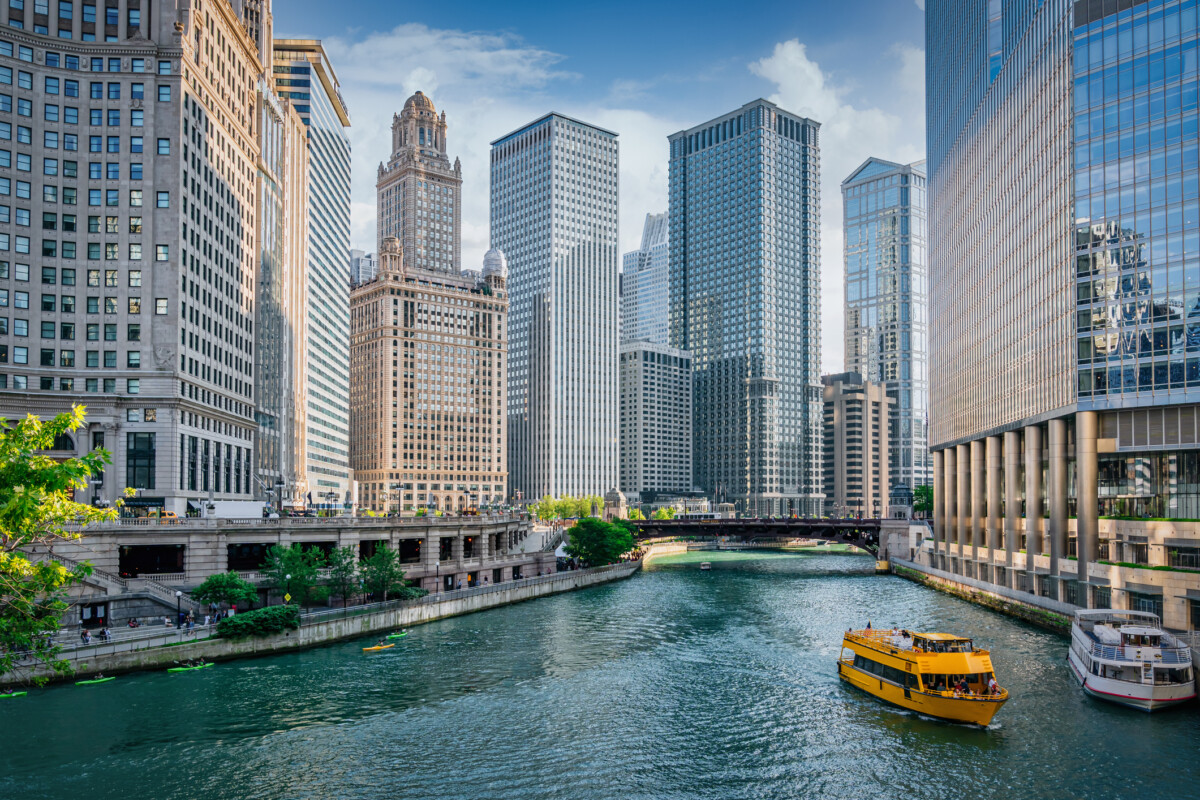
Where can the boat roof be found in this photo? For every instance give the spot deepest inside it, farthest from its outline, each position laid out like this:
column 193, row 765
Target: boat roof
column 1116, row 615
column 941, row 637
column 1140, row 630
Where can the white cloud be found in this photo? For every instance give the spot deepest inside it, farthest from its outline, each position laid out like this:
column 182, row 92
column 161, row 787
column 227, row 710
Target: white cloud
column 920, row 4
column 850, row 133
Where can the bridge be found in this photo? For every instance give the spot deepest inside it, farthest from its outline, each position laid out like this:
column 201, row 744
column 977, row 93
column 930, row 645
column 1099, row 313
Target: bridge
column 862, row 533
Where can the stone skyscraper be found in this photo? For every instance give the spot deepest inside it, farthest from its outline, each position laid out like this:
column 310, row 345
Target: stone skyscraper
column 554, row 214
column 745, row 299
column 887, row 303
column 419, row 192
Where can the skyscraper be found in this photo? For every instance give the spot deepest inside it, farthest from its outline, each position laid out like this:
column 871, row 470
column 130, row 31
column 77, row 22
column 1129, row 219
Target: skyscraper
column 656, row 420
column 745, row 299
column 136, row 295
column 887, row 303
column 363, row 266
column 554, row 214
column 856, row 445
column 419, row 192
column 645, row 285
column 304, row 76
column 1062, row 154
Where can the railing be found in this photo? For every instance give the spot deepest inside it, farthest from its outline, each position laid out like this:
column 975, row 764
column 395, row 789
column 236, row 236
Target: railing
column 294, row 522
column 1166, row 655
column 96, row 573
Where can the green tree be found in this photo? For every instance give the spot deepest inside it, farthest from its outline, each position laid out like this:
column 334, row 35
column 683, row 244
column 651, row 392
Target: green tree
column 381, row 572
column 226, row 587
column 36, row 504
column 544, row 509
column 666, row 512
column 343, row 572
column 595, row 542
column 923, row 500
column 636, row 514
column 301, row 563
column 566, row 507
column 591, row 506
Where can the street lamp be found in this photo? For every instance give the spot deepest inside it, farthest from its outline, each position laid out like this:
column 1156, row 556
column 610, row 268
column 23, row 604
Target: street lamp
column 178, row 609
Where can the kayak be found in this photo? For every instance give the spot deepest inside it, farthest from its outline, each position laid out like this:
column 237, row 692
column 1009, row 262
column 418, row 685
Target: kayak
column 189, row 669
column 378, row 647
column 14, row 694
column 398, row 635
column 95, row 680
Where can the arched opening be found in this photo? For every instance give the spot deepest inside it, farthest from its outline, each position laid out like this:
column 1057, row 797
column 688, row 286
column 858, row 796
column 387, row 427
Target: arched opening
column 63, row 444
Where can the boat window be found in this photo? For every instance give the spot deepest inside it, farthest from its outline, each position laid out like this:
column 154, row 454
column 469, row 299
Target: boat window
column 886, row 672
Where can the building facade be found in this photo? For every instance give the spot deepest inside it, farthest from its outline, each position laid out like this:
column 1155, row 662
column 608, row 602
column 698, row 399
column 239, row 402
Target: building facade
column 427, row 364
column 856, row 463
column 1065, row 371
column 420, row 192
column 136, row 294
column 363, row 266
column 745, row 297
column 305, row 78
column 656, row 420
column 887, row 302
column 645, row 285
column 554, row 214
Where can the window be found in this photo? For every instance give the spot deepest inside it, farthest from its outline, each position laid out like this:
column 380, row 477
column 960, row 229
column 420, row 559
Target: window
column 135, row 305
column 163, row 200
column 114, row 91
column 133, row 386
column 93, row 307
column 112, row 197
column 135, row 253
column 164, row 68
column 24, row 135
column 71, row 143
column 46, row 357
column 110, row 359
column 95, row 144
column 135, row 171
column 50, row 165
column 164, row 147
column 135, row 224
column 70, row 169
column 164, row 94
column 89, row 15
column 110, row 385
column 20, row 355
column 93, row 251
column 133, row 359
column 137, row 90
column 114, row 144
column 133, row 332
column 66, row 358
column 137, row 65
column 135, row 198
column 110, row 305
column 24, row 80
column 135, row 144
column 137, row 117
column 51, row 85
column 49, row 276
column 93, row 335
column 96, row 90
column 49, row 113
column 114, row 64
column 70, row 88
column 114, row 118
column 162, row 252
column 111, row 276
column 160, row 306
column 139, row 457
column 68, row 273
column 68, row 307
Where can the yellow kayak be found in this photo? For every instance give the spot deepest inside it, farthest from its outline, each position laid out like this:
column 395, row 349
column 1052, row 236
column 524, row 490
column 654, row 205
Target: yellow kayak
column 377, row 647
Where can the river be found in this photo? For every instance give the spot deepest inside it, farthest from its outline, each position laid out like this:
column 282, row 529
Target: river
column 676, row 683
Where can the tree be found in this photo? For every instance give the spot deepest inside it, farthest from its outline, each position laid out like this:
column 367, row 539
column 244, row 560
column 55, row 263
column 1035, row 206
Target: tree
column 923, row 499
column 544, row 509
column 36, row 504
column 666, row 512
column 595, row 542
column 636, row 514
column 343, row 572
column 226, row 587
column 300, row 563
column 591, row 506
column 381, row 572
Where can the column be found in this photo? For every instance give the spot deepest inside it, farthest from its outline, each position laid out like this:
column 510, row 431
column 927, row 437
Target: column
column 962, row 460
column 1057, row 493
column 939, row 512
column 1012, row 499
column 951, row 503
column 978, row 486
column 1087, row 489
column 1033, row 494
column 482, row 542
column 994, row 470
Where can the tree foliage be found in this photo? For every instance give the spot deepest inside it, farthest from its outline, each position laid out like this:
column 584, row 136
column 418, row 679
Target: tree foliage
column 567, row 507
column 595, row 542
column 301, row 563
column 923, row 499
column 636, row 514
column 260, row 622
column 225, row 587
column 666, row 512
column 343, row 573
column 36, row 503
column 382, row 575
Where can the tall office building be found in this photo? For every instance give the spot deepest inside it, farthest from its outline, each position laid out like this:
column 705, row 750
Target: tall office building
column 435, row 438
column 305, row 78
column 554, row 214
column 855, row 455
column 644, row 285
column 419, row 192
column 887, row 302
column 656, row 420
column 1063, row 260
column 363, row 266
column 745, row 299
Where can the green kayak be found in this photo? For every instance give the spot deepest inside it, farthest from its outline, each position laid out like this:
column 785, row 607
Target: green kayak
column 189, row 669
column 397, row 635
column 95, row 680
column 14, row 694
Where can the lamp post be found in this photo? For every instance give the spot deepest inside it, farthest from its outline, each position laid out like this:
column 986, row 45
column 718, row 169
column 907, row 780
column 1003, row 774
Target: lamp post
column 178, row 609
column 288, row 590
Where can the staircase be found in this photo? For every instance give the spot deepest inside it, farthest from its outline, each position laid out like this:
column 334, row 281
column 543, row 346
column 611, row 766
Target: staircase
column 115, row 584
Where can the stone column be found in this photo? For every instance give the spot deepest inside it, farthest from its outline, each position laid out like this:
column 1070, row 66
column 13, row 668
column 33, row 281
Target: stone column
column 978, row 496
column 951, row 495
column 1087, row 491
column 1012, row 499
column 994, row 470
column 939, row 512
column 1033, row 494
column 481, row 543
column 1057, row 493
column 456, row 549
column 962, row 460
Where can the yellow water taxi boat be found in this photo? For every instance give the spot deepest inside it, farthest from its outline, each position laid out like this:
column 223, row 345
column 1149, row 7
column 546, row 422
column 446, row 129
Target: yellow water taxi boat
column 937, row 674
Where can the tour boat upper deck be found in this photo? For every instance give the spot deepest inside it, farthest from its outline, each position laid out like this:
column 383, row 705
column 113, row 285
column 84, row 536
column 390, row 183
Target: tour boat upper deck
column 1126, row 657
column 1131, row 636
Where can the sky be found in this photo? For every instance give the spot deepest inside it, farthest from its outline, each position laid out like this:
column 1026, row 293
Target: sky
column 642, row 69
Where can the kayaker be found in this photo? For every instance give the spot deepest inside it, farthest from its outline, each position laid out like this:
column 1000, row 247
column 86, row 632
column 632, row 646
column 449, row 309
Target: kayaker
column 381, row 643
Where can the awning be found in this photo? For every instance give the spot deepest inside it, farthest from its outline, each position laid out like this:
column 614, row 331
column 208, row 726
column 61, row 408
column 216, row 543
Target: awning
column 1192, row 594
column 1098, row 580
column 1182, row 542
column 193, row 505
column 144, row 502
column 1143, row 588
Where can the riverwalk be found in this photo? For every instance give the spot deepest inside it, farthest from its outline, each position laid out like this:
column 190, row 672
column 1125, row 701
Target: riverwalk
column 155, row 647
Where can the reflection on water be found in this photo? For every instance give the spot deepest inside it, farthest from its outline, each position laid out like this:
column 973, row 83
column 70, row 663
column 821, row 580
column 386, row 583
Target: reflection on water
column 676, row 683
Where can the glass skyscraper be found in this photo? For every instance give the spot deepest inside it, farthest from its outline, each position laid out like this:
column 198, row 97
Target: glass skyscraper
column 887, row 303
column 1065, row 269
column 645, row 285
column 304, row 76
column 744, row 210
column 554, row 215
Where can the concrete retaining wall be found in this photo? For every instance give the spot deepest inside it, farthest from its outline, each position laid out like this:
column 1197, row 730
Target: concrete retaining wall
column 112, row 659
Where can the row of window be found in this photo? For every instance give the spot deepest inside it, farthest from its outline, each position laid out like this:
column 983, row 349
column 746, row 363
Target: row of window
column 20, row 329
column 66, row 358
column 66, row 15
column 20, row 382
column 20, row 244
column 50, row 275
column 20, row 300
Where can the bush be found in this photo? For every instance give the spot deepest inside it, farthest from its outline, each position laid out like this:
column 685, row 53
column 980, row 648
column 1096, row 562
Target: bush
column 260, row 622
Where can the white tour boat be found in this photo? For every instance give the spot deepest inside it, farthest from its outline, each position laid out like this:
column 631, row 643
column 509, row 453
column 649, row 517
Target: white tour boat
column 705, row 565
column 1126, row 657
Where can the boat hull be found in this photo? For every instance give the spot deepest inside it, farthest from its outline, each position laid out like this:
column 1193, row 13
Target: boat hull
column 968, row 710
column 1144, row 697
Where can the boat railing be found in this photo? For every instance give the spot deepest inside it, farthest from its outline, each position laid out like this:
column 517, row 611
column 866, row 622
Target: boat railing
column 1000, row 695
column 1133, row 655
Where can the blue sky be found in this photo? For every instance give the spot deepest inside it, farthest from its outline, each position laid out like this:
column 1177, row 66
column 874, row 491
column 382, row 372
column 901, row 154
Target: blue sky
column 644, row 70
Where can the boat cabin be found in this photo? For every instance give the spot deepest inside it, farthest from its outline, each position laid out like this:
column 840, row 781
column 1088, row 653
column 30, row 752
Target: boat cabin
column 1134, row 636
column 941, row 643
